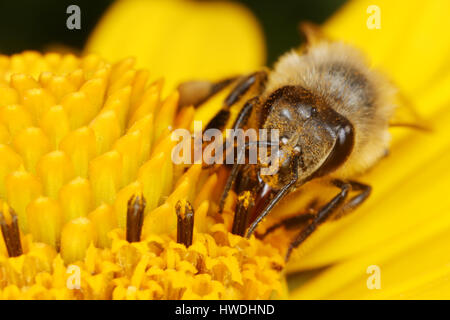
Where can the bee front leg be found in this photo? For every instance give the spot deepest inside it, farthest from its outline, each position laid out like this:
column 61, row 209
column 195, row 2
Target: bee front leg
column 277, row 198
column 239, row 123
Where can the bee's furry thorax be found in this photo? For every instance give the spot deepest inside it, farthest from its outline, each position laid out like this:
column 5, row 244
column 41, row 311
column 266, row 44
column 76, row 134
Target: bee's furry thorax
column 339, row 75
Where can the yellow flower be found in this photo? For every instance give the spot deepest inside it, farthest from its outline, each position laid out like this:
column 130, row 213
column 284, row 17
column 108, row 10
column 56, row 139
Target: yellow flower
column 85, row 168
column 403, row 227
column 89, row 192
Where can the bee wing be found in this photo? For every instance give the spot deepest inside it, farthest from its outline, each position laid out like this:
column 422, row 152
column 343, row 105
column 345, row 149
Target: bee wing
column 406, row 116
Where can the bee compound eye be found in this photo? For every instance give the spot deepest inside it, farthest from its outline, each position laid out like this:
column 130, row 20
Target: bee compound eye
column 341, row 151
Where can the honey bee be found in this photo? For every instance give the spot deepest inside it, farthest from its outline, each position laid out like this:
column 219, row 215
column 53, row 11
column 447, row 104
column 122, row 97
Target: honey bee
column 332, row 112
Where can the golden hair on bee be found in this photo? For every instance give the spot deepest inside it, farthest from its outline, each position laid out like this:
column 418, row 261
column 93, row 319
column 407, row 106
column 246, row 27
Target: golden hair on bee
column 339, row 74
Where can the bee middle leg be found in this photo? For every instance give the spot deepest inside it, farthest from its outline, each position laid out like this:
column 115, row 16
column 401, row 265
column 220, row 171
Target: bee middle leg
column 255, row 80
column 294, row 222
column 354, row 202
column 333, row 210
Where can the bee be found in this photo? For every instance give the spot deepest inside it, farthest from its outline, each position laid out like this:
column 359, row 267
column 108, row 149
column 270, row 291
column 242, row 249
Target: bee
column 332, row 113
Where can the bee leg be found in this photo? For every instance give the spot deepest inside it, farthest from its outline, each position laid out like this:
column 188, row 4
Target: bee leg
column 233, row 175
column 235, row 171
column 239, row 123
column 278, row 196
column 231, row 178
column 257, row 79
column 195, row 93
column 289, row 223
column 294, row 222
column 324, row 214
column 356, row 201
column 241, row 120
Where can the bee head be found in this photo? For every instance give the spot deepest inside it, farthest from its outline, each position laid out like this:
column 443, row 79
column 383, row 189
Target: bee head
column 314, row 140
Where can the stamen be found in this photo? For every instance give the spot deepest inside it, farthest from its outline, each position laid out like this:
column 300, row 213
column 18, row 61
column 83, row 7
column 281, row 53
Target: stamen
column 185, row 226
column 135, row 218
column 11, row 234
column 245, row 203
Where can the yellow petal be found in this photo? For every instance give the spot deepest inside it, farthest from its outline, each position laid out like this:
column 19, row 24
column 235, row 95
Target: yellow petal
column 147, row 104
column 44, row 220
column 16, row 117
column 38, row 102
column 105, row 176
column 165, row 117
column 119, row 102
column 80, row 146
column 9, row 161
column 55, row 124
column 30, row 188
column 145, row 127
column 129, row 146
column 78, row 109
column 106, row 127
column 59, row 86
column 8, row 96
column 54, row 170
column 76, row 199
column 104, row 221
column 76, row 236
column 31, row 143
